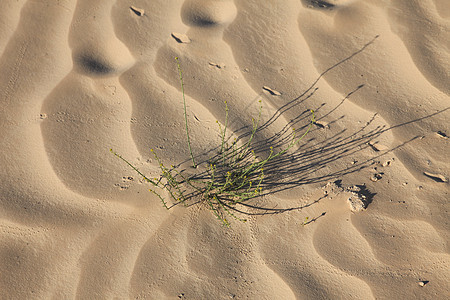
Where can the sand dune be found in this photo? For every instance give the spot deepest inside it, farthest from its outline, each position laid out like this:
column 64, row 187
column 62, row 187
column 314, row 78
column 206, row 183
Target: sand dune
column 80, row 77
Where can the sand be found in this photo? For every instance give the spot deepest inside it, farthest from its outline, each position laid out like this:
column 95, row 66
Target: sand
column 366, row 191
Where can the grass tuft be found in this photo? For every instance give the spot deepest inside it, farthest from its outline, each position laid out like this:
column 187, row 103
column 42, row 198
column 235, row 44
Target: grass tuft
column 224, row 181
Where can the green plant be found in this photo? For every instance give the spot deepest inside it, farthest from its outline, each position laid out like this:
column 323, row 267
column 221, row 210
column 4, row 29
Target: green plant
column 224, row 181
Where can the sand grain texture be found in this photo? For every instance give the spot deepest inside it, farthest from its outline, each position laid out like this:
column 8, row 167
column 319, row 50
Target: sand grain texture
column 80, row 77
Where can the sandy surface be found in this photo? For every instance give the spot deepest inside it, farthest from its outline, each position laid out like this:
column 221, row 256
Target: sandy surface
column 80, row 77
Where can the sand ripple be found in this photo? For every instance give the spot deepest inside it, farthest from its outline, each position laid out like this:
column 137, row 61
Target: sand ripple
column 79, row 78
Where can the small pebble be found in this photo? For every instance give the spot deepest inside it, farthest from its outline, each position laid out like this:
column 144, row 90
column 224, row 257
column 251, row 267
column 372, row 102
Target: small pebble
column 322, row 124
column 219, row 66
column 442, row 135
column 423, row 282
column 137, row 11
column 271, row 91
column 387, row 163
column 181, row 38
column 376, row 177
column 378, row 147
column 437, row 177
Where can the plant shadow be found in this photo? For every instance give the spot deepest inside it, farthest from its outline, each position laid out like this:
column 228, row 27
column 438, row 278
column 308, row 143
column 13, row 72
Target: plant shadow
column 307, row 163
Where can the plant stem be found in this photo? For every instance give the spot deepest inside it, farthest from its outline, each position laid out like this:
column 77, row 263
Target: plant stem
column 224, row 132
column 185, row 113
